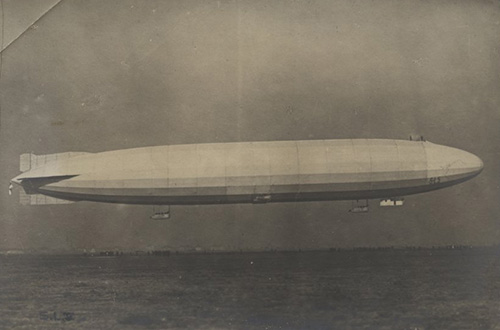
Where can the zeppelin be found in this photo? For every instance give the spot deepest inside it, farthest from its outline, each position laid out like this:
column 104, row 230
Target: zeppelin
column 247, row 172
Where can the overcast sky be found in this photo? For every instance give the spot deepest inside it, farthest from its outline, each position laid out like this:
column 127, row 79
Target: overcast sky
column 102, row 75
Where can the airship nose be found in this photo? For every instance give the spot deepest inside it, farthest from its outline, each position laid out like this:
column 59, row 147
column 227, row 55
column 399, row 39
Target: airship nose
column 451, row 163
column 478, row 164
column 470, row 163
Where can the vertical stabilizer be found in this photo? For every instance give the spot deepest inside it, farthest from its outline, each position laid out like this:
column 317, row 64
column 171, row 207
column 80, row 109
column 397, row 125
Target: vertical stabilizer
column 30, row 161
column 25, row 162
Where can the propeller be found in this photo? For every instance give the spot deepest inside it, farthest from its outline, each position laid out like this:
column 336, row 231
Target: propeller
column 10, row 189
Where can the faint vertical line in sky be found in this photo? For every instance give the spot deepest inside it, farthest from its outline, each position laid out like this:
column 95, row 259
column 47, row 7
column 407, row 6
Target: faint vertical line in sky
column 468, row 42
column 1, row 57
column 239, row 71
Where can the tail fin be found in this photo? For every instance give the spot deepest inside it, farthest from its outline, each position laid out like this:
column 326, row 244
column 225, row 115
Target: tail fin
column 29, row 161
column 39, row 199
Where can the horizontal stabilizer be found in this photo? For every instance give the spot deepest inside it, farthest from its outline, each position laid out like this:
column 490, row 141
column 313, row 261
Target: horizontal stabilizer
column 29, row 161
column 39, row 199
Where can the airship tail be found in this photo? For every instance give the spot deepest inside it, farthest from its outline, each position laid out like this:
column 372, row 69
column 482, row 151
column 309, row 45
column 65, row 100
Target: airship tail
column 31, row 161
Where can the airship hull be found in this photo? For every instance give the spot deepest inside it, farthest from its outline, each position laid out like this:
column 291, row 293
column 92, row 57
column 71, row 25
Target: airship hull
column 254, row 172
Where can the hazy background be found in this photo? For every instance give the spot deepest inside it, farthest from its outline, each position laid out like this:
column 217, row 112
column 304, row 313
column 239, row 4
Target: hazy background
column 102, row 75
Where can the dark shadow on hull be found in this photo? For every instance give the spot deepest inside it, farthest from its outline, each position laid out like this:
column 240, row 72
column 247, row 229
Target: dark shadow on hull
column 252, row 198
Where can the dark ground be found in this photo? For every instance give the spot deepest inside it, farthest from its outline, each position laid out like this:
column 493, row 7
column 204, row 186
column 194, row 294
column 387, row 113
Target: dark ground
column 389, row 289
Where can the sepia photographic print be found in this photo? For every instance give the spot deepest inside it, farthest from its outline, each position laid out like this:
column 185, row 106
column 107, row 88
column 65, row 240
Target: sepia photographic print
column 249, row 164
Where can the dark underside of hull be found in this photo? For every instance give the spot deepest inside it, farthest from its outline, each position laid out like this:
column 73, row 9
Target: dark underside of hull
column 253, row 198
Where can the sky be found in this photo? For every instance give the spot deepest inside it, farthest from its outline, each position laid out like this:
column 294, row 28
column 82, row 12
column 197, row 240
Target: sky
column 102, row 75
